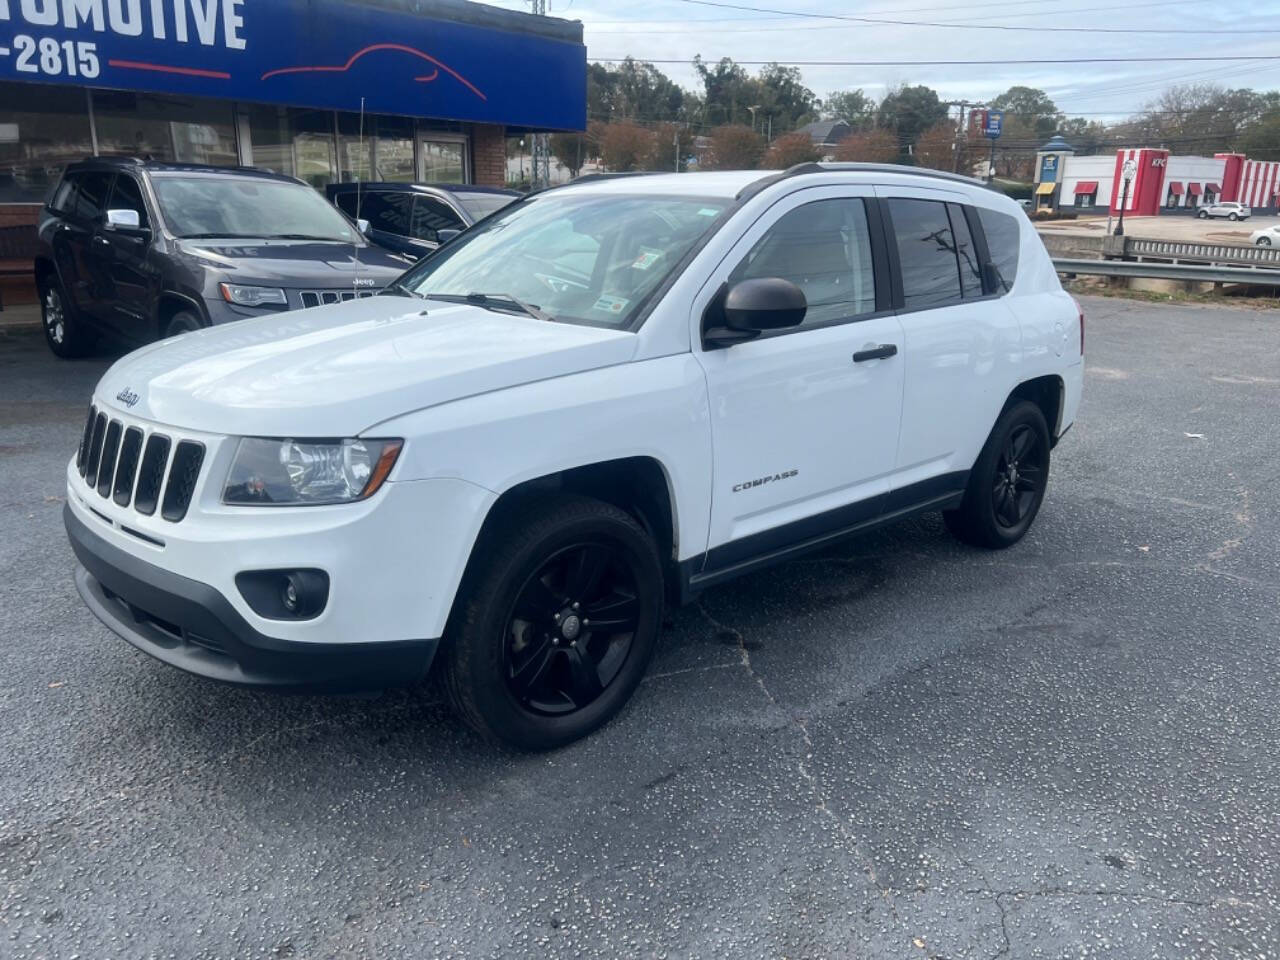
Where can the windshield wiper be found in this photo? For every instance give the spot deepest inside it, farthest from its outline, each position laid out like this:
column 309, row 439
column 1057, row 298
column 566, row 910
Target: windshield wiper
column 221, row 236
column 305, row 236
column 392, row 288
column 494, row 301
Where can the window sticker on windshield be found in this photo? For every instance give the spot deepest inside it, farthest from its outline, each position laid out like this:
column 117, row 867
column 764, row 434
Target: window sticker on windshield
column 648, row 257
column 608, row 304
column 708, row 212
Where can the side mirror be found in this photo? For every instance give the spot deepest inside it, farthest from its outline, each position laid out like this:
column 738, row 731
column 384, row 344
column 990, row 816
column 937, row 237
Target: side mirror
column 124, row 220
column 363, row 226
column 447, row 234
column 749, row 307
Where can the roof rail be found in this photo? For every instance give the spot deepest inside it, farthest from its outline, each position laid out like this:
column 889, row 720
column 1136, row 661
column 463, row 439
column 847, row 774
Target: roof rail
column 801, row 169
column 589, row 177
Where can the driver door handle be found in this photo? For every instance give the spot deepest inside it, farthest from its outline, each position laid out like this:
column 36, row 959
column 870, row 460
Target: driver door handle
column 881, row 352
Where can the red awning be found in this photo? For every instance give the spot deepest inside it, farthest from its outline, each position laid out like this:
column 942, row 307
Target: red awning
column 1175, row 188
column 1193, row 189
column 1086, row 186
column 1212, row 188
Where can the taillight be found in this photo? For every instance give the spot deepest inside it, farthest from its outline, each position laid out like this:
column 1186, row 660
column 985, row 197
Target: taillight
column 1080, row 311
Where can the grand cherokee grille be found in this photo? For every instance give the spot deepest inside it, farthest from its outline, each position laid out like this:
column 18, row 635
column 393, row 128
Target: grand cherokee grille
column 314, row 298
column 123, row 464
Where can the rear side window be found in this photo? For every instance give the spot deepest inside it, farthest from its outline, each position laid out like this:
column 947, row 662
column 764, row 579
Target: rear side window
column 1004, row 237
column 926, row 253
column 388, row 212
column 824, row 248
column 83, row 195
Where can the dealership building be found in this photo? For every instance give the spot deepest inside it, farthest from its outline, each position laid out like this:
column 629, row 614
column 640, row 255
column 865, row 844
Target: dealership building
column 1161, row 184
column 324, row 90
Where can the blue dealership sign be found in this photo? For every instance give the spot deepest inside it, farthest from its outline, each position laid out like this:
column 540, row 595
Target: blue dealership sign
column 311, row 53
column 993, row 125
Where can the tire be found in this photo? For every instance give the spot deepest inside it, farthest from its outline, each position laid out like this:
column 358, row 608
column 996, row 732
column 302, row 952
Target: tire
column 1203, row 215
column 1233, row 216
column 182, row 322
column 63, row 331
column 988, row 516
column 1264, row 241
column 523, row 665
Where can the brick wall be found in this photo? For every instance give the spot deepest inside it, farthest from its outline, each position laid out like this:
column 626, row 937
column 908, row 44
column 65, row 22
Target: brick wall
column 489, row 154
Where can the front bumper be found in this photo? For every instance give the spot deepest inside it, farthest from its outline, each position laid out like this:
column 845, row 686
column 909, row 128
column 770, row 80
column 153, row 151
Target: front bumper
column 192, row 626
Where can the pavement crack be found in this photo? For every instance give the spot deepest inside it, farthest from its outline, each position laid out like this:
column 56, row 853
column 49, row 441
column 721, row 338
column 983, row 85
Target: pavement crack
column 997, row 895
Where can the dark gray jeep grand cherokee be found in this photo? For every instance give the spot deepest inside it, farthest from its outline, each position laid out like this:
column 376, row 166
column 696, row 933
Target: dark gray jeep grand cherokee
column 141, row 250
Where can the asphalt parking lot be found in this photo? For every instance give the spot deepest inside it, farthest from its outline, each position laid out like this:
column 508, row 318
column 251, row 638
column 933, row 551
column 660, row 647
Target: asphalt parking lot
column 901, row 747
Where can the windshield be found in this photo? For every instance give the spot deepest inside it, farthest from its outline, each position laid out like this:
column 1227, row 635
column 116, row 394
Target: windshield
column 221, row 206
column 480, row 205
column 582, row 258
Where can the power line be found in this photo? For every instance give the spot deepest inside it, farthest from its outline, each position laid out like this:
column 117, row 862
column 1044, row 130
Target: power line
column 960, row 25
column 958, row 63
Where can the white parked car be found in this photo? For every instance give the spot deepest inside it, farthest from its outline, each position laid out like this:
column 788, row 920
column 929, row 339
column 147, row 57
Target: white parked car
column 1266, row 237
column 608, row 396
column 1224, row 208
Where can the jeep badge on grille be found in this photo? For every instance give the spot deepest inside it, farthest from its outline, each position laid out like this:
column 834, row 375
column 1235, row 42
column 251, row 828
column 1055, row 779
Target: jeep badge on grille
column 127, row 397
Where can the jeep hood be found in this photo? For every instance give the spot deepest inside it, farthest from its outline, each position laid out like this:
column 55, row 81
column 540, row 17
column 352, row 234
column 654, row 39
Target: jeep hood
column 296, row 263
column 338, row 370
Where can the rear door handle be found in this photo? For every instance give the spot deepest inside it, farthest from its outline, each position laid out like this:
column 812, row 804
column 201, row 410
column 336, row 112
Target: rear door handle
column 881, row 352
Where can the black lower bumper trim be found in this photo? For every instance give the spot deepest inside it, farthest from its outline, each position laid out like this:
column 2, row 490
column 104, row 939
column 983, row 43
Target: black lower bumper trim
column 190, row 625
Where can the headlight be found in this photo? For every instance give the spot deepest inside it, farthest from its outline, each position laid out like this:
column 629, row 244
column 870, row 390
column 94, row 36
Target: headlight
column 247, row 296
column 271, row 472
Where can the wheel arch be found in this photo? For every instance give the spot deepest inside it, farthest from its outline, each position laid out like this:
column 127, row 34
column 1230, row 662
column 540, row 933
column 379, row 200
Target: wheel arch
column 639, row 485
column 1049, row 394
column 44, row 269
column 169, row 304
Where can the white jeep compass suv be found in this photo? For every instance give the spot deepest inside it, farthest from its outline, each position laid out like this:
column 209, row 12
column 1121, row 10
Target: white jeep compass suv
column 606, row 396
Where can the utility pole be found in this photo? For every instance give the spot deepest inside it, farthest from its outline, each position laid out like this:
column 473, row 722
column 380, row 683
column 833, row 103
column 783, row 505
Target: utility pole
column 541, row 149
column 961, row 132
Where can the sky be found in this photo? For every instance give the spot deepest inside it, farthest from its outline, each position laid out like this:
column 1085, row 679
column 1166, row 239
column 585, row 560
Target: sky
column 679, row 29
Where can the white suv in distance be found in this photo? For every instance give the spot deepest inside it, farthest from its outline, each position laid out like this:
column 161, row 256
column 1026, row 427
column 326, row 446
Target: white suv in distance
column 608, row 396
column 1230, row 209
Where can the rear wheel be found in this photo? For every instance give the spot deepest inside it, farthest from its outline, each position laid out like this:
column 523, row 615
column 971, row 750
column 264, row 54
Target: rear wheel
column 1008, row 482
column 63, row 330
column 1203, row 215
column 1264, row 241
column 1233, row 216
column 556, row 624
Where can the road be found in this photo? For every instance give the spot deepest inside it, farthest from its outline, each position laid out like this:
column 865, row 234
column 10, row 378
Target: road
column 899, row 748
column 1167, row 227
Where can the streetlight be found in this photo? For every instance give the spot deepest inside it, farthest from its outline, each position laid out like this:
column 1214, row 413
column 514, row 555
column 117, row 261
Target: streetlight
column 1128, row 171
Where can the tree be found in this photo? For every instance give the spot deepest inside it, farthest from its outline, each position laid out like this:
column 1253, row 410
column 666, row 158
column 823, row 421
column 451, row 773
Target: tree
column 663, row 151
column 852, row 106
column 790, row 149
column 935, row 148
column 784, row 99
column 571, row 149
column 1028, row 112
column 910, row 111
column 735, row 147
column 1200, row 117
column 870, row 146
column 729, row 91
column 1262, row 140
column 632, row 90
column 625, row 146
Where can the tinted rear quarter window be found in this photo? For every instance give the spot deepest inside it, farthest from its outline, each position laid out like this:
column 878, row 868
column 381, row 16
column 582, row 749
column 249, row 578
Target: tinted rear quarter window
column 1004, row 237
column 386, row 211
column 83, row 195
column 926, row 253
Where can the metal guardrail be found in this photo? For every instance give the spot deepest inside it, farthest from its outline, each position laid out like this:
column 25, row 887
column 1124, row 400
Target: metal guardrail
column 1168, row 271
column 1177, row 250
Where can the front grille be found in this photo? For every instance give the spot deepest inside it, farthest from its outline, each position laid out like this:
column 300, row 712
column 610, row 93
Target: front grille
column 121, row 462
column 316, row 298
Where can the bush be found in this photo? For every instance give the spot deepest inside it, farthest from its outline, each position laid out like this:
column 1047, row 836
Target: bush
column 734, row 147
column 790, row 149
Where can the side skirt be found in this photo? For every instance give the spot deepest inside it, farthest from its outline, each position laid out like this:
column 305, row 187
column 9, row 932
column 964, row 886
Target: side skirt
column 760, row 550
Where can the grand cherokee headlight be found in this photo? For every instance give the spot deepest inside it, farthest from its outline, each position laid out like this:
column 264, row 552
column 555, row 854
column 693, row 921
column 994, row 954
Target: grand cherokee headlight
column 273, row 472
column 249, row 296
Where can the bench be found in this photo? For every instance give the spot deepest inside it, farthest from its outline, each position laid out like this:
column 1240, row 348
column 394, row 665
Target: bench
column 17, row 253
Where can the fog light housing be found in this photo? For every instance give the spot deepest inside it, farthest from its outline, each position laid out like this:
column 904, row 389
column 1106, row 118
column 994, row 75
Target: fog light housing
column 285, row 594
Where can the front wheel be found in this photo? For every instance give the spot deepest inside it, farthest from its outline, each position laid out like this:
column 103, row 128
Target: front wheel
column 1203, row 215
column 1233, row 216
column 1008, row 482
column 182, row 322
column 556, row 622
column 1264, row 241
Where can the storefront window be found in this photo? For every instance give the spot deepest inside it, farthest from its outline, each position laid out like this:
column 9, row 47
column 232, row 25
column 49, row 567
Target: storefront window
column 165, row 128
column 444, row 161
column 38, row 141
column 297, row 143
column 384, row 152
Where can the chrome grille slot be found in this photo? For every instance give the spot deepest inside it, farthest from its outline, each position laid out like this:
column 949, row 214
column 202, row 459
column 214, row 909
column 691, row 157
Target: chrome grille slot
column 110, row 449
column 183, row 475
column 127, row 467
column 151, row 474
column 95, row 450
column 315, row 298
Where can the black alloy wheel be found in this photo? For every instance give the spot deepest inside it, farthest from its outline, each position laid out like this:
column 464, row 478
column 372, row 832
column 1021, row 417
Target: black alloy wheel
column 62, row 329
column 1008, row 481
column 555, row 623
column 1019, row 477
column 571, row 628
